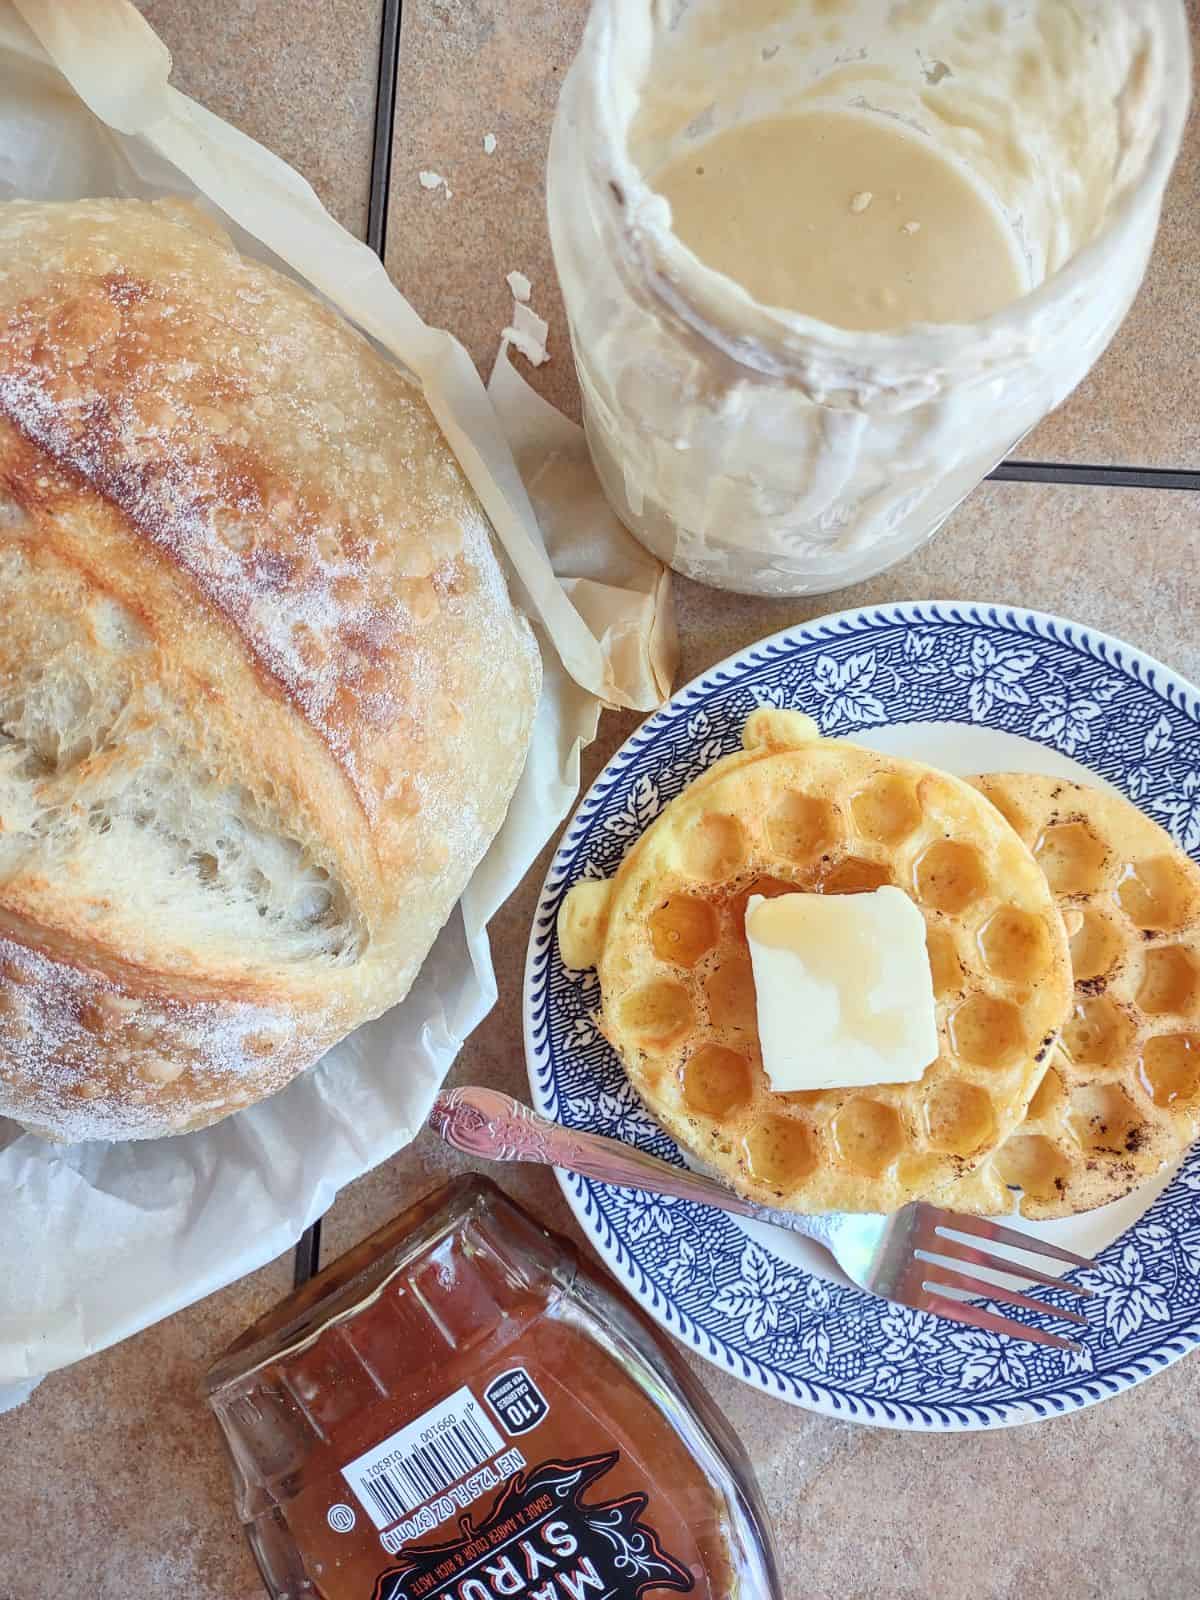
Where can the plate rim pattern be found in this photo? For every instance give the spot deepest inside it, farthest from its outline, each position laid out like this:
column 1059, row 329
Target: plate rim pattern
column 820, row 1394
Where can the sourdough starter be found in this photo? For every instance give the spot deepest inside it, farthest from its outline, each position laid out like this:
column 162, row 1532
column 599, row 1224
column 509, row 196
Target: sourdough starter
column 847, row 218
column 826, row 261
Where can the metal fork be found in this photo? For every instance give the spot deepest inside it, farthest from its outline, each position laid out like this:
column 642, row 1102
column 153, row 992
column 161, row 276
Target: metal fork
column 889, row 1256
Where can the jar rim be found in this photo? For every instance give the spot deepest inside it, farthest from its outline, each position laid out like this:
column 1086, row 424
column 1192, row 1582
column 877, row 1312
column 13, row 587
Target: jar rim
column 910, row 364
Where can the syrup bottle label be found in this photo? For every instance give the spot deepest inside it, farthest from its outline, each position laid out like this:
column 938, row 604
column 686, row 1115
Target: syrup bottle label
column 542, row 1541
column 453, row 1441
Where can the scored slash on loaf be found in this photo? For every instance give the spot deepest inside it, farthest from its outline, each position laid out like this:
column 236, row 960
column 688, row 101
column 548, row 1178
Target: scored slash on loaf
column 263, row 695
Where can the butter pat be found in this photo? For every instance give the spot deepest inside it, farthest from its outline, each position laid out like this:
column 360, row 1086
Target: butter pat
column 844, row 990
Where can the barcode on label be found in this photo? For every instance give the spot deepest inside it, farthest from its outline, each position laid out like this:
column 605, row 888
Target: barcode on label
column 424, row 1459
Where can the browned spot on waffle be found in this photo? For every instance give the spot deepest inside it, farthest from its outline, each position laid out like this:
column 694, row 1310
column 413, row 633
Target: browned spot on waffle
column 1121, row 1097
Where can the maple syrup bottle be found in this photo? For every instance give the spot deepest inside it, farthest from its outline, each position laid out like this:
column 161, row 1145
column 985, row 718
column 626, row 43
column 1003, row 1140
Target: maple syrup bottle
column 458, row 1409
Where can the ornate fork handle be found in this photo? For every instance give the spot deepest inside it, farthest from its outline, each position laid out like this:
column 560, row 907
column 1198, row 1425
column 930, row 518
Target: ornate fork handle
column 486, row 1123
column 494, row 1126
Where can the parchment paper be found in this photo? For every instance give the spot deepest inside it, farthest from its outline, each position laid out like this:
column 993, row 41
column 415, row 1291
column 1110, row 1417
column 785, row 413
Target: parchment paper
column 98, row 1241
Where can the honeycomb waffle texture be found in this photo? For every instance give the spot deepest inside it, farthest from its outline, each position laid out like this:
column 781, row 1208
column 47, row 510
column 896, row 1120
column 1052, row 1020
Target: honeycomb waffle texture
column 795, row 812
column 263, row 696
column 1121, row 1096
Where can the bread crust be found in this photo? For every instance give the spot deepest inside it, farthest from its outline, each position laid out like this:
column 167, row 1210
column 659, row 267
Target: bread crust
column 263, row 695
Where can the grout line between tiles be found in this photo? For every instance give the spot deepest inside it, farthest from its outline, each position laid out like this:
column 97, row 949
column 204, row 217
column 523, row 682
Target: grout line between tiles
column 385, row 120
column 1066, row 472
column 307, row 1257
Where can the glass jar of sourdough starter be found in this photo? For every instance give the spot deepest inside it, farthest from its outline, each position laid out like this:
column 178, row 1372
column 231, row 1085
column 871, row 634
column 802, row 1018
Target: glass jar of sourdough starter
column 826, row 261
column 457, row 1409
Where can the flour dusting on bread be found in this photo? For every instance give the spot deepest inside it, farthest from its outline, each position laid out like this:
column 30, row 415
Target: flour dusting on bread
column 264, row 697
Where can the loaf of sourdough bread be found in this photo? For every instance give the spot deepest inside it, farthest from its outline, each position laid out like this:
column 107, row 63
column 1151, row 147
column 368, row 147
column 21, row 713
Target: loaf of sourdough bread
column 263, row 695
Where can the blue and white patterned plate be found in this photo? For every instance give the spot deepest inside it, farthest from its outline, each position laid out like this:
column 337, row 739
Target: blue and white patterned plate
column 972, row 688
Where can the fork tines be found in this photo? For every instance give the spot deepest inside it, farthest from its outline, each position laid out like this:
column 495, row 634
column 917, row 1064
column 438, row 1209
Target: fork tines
column 933, row 1235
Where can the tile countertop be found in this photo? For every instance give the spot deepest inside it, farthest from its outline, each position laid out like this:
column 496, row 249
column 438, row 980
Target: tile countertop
column 297, row 75
column 111, row 1477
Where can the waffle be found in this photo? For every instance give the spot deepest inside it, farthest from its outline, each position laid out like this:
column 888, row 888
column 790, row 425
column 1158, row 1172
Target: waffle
column 1121, row 1096
column 793, row 811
